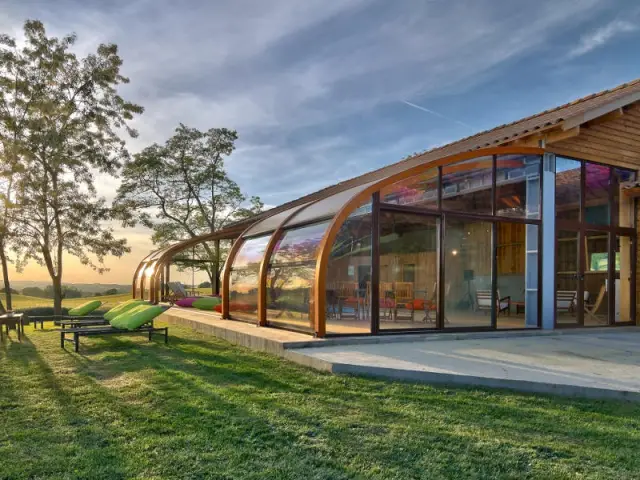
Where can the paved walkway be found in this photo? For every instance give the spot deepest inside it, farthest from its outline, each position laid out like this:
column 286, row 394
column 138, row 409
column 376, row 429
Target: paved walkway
column 596, row 364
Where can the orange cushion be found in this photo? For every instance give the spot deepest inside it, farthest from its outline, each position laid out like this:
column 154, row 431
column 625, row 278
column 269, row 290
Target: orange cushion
column 218, row 308
column 418, row 304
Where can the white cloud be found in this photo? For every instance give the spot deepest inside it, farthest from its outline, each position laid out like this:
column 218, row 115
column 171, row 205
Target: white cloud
column 290, row 75
column 601, row 36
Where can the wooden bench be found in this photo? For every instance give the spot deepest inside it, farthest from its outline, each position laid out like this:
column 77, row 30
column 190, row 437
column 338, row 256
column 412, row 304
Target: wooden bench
column 76, row 333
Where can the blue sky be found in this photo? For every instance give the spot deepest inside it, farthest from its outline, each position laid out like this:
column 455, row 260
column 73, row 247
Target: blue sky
column 321, row 91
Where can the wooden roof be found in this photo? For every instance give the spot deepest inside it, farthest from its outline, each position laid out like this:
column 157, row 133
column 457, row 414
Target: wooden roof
column 564, row 121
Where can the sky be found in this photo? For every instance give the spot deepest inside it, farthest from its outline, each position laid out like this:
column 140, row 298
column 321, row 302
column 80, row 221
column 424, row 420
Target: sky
column 322, row 91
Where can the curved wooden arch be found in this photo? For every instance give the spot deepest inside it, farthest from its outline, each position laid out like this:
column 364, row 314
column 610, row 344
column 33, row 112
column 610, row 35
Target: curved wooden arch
column 332, row 231
column 264, row 264
column 134, row 283
column 155, row 258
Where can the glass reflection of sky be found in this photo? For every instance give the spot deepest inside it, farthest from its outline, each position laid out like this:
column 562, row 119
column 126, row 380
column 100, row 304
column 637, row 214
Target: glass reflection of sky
column 251, row 252
column 299, row 244
column 564, row 164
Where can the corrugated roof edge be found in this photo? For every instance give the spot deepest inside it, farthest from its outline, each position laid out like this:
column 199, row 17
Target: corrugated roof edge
column 544, row 119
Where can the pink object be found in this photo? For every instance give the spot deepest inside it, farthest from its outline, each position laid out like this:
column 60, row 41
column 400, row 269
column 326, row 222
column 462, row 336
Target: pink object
column 186, row 302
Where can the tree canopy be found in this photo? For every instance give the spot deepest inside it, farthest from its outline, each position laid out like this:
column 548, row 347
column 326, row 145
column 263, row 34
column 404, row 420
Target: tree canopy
column 63, row 122
column 182, row 190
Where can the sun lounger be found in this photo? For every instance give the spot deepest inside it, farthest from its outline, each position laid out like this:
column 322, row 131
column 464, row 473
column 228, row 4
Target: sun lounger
column 177, row 292
column 73, row 335
column 136, row 320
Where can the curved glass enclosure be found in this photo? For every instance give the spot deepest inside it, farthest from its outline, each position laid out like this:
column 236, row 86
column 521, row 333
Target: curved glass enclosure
column 450, row 245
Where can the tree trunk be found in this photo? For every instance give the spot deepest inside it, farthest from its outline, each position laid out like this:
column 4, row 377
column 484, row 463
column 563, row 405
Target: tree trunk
column 5, row 276
column 57, row 295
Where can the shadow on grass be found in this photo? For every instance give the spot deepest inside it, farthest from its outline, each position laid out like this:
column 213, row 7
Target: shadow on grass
column 202, row 406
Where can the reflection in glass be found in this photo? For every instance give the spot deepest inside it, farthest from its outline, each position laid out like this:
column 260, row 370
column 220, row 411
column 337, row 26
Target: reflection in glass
column 623, row 271
column 517, row 274
column 197, row 265
column 624, row 211
column 467, row 186
column 243, row 281
column 408, row 271
column 567, row 265
column 418, row 191
column 596, row 294
column 568, row 181
column 327, row 207
column 518, row 186
column 290, row 277
column 349, row 274
column 596, row 195
column 467, row 273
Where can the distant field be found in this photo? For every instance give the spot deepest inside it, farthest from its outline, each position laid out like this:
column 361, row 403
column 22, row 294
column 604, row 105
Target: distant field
column 21, row 302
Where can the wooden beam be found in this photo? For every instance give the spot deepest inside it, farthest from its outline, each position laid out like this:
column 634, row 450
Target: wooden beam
column 547, row 137
column 584, row 117
column 609, row 117
column 585, row 154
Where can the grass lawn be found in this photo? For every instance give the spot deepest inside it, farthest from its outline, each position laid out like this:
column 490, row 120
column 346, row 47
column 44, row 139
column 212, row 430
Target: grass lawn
column 21, row 302
column 202, row 408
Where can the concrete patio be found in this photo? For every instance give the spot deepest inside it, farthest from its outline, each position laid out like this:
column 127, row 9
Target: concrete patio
column 598, row 364
column 591, row 362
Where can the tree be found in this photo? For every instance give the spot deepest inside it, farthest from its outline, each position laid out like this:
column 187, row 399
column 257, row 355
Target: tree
column 71, row 130
column 67, row 292
column 34, row 292
column 15, row 102
column 205, row 285
column 111, row 291
column 181, row 190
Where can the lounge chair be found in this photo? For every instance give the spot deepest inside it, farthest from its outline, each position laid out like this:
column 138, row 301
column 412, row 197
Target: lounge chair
column 566, row 300
column 135, row 321
column 592, row 309
column 483, row 302
column 85, row 309
column 90, row 321
column 78, row 332
column 177, row 291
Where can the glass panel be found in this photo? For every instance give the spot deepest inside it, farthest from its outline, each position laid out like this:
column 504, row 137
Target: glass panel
column 568, row 180
column 567, row 277
column 518, row 186
column 348, row 274
column 327, row 207
column 408, row 271
column 467, row 273
column 251, row 252
column 517, row 275
column 243, row 282
column 466, row 186
column 196, row 266
column 291, row 275
column 419, row 191
column 623, row 271
column 596, row 297
column 596, row 195
column 243, row 293
column 269, row 224
column 624, row 205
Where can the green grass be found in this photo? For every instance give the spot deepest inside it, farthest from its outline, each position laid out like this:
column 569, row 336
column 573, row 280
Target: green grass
column 201, row 408
column 22, row 302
